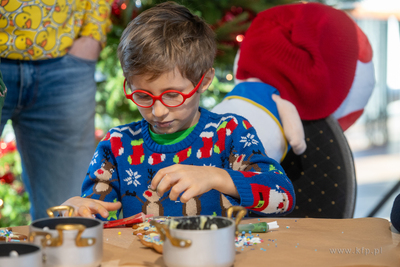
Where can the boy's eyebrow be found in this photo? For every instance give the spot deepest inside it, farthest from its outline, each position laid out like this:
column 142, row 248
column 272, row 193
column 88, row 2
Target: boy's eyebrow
column 163, row 90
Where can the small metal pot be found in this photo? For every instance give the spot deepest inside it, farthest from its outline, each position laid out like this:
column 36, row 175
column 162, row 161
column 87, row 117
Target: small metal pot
column 68, row 241
column 200, row 241
column 20, row 254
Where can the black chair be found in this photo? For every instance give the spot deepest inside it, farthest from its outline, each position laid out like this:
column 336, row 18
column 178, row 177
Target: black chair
column 324, row 176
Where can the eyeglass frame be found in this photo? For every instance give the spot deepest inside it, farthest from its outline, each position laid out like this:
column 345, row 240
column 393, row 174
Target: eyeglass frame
column 159, row 97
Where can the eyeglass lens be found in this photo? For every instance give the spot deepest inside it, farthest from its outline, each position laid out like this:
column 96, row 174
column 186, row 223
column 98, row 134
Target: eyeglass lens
column 170, row 99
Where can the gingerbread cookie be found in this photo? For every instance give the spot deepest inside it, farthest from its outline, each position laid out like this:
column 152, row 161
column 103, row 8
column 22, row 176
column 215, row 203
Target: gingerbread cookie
column 146, row 228
column 153, row 241
column 6, row 234
column 149, row 235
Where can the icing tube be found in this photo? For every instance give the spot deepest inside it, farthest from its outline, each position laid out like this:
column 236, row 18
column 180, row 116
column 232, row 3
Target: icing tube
column 261, row 227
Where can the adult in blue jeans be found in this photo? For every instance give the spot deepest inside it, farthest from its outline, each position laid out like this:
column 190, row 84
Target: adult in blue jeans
column 48, row 66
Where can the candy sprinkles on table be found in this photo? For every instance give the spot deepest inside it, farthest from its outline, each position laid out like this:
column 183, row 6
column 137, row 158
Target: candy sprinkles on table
column 244, row 240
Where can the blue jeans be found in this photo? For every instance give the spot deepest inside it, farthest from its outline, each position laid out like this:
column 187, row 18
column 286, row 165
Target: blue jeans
column 51, row 104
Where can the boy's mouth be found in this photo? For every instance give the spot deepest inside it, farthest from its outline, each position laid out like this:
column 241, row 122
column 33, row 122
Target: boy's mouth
column 162, row 124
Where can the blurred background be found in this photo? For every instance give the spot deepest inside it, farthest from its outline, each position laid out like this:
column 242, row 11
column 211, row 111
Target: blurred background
column 374, row 139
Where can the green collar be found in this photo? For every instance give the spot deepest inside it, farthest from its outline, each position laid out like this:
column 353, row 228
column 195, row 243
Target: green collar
column 170, row 139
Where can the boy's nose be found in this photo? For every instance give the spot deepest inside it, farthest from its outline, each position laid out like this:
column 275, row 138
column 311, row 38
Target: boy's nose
column 159, row 110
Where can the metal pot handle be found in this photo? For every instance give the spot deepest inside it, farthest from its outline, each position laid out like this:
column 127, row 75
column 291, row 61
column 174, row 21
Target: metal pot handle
column 45, row 241
column 49, row 241
column 80, row 242
column 241, row 212
column 70, row 209
column 164, row 231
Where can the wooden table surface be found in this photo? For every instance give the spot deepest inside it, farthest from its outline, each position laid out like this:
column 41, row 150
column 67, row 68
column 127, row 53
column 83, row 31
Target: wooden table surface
column 297, row 242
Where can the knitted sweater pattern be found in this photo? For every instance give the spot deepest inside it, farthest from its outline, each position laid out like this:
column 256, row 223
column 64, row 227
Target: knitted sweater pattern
column 127, row 159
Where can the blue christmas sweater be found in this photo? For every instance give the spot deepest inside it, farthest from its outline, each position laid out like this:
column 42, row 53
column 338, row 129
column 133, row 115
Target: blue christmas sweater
column 127, row 159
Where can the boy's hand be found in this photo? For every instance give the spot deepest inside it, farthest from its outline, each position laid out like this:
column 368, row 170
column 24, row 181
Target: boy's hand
column 86, row 207
column 192, row 181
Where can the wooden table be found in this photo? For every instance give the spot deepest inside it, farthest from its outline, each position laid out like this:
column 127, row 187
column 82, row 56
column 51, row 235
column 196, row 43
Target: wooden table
column 297, row 242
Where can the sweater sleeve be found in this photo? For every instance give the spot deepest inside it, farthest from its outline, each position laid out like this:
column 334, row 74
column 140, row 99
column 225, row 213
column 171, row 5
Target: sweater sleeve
column 96, row 21
column 261, row 181
column 102, row 181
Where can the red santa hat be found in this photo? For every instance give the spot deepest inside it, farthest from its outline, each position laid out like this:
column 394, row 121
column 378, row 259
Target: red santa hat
column 310, row 53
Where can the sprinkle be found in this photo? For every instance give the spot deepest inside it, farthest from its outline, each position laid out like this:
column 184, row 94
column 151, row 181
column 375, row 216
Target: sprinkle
column 249, row 232
column 295, row 220
column 246, row 241
column 315, row 250
column 258, row 219
column 287, row 227
column 295, row 246
column 119, row 233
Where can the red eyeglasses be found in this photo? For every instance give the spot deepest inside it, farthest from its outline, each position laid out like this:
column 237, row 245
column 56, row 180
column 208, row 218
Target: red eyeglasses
column 169, row 98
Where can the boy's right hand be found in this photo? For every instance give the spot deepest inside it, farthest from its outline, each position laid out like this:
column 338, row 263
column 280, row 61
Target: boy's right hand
column 87, row 207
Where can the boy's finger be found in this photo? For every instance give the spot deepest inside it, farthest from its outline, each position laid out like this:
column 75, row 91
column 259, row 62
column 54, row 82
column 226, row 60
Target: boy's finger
column 97, row 208
column 112, row 205
column 84, row 212
column 177, row 189
column 156, row 179
column 165, row 184
column 189, row 193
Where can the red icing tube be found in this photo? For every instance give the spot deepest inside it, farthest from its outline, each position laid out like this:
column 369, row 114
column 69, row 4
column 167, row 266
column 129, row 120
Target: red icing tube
column 137, row 218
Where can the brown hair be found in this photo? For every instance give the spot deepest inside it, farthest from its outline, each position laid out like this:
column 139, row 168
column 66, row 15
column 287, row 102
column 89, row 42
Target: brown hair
column 165, row 37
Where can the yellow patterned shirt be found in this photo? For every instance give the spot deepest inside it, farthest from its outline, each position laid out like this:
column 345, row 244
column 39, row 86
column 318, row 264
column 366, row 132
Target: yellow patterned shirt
column 43, row 29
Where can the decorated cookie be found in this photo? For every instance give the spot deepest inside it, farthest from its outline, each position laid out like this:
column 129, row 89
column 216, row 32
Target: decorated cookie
column 153, row 241
column 6, row 234
column 145, row 228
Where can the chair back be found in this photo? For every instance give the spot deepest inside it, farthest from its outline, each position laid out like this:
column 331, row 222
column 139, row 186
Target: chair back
column 324, row 175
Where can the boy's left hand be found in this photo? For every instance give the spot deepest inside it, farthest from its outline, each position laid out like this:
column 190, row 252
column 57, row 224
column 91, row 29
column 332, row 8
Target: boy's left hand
column 192, row 181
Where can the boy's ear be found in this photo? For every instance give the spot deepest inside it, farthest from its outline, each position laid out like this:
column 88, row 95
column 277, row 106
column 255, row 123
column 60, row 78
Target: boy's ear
column 208, row 78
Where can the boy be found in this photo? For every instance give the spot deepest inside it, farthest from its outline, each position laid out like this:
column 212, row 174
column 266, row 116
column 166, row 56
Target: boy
column 180, row 159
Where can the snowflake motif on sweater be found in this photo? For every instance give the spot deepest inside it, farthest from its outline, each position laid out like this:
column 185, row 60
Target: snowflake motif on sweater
column 217, row 140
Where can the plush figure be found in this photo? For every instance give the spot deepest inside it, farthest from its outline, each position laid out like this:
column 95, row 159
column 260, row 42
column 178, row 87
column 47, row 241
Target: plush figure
column 302, row 61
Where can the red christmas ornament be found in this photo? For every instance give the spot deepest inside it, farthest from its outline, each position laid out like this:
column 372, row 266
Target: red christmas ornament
column 6, row 148
column 115, row 8
column 236, row 37
column 7, row 178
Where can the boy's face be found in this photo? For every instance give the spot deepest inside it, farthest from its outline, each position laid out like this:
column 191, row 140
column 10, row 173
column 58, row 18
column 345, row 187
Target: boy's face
column 166, row 120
